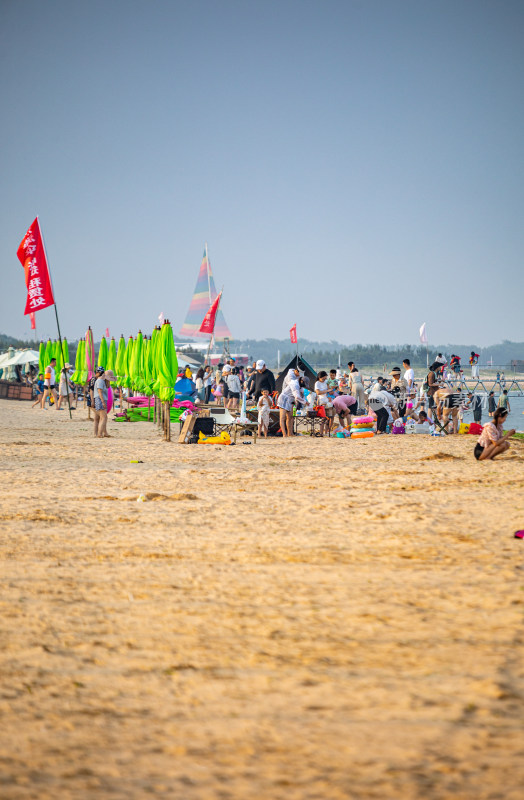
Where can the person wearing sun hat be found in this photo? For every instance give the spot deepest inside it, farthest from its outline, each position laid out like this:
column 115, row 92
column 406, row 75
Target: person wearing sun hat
column 100, row 402
column 399, row 389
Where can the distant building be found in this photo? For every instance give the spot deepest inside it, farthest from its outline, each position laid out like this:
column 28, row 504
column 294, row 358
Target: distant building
column 518, row 364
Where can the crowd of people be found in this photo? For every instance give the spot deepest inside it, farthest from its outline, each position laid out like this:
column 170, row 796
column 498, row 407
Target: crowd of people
column 337, row 393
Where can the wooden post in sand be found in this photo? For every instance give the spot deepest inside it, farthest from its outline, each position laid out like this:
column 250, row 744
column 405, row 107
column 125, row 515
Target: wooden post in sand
column 168, row 423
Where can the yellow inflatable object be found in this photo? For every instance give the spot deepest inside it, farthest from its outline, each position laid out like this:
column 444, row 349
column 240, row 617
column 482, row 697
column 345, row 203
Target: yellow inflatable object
column 362, row 434
column 222, row 438
column 463, row 428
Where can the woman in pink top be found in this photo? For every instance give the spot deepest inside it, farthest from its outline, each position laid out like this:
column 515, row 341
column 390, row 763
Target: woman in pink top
column 345, row 405
column 492, row 440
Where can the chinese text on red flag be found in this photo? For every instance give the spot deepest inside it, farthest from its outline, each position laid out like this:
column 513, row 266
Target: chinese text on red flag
column 31, row 255
column 293, row 334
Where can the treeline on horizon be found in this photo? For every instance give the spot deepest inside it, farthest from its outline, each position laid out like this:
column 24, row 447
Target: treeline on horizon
column 325, row 353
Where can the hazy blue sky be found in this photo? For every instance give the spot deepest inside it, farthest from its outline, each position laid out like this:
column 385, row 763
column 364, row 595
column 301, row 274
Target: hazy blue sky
column 355, row 167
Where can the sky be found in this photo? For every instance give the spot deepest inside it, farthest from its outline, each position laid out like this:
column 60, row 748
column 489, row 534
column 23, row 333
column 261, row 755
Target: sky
column 356, row 167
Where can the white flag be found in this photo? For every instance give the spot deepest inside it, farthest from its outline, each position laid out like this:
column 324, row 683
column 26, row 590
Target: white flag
column 422, row 333
column 161, row 318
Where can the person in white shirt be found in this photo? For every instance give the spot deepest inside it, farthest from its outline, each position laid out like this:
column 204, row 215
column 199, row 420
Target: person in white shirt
column 234, row 388
column 322, row 391
column 409, row 375
column 291, row 393
column 49, row 383
column 381, row 402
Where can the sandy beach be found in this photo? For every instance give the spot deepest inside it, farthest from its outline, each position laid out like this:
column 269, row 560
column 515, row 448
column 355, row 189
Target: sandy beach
column 291, row 620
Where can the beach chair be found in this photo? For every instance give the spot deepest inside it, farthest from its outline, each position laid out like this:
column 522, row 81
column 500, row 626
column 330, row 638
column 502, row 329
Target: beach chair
column 225, row 421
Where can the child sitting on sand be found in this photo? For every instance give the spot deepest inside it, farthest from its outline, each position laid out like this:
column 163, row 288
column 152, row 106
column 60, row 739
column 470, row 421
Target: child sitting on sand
column 493, row 440
column 263, row 405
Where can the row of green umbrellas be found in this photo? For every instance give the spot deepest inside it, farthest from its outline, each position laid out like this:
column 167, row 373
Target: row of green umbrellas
column 53, row 350
column 144, row 365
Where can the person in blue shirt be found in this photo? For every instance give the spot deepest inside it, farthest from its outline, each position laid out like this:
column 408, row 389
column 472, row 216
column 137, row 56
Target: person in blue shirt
column 39, row 389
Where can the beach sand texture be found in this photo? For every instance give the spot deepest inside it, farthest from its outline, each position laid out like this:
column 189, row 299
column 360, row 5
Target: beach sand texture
column 294, row 619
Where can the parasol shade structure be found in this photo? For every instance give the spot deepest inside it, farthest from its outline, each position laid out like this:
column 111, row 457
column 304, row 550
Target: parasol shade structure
column 111, row 357
column 41, row 358
column 136, row 376
column 102, row 353
column 77, row 374
column 167, row 365
column 90, row 354
column 120, row 359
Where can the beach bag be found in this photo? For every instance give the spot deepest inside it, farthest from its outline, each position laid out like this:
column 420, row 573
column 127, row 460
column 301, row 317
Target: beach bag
column 475, row 428
column 398, row 427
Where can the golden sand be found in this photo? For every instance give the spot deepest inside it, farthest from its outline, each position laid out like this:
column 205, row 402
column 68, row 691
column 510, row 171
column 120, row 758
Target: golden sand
column 302, row 619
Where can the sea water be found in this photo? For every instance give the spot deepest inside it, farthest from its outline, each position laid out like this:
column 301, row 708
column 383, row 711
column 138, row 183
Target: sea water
column 515, row 418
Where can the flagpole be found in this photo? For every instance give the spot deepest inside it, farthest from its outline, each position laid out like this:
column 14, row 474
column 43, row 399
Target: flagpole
column 208, row 278
column 56, row 315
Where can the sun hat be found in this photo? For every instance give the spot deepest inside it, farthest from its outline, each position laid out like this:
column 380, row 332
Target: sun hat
column 109, row 375
column 68, row 366
column 261, row 364
column 395, row 371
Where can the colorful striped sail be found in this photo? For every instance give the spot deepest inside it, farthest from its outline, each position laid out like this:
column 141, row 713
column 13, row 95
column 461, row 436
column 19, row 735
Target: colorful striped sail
column 204, row 295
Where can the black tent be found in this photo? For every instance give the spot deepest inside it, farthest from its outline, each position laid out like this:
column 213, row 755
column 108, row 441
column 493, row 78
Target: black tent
column 303, row 366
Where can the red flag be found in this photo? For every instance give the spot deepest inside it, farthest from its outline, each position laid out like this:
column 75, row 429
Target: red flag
column 33, row 320
column 107, row 333
column 293, row 334
column 31, row 255
column 208, row 324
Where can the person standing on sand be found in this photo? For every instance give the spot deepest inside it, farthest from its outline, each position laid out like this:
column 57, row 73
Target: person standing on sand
column 409, row 376
column 100, row 394
column 49, row 382
column 356, row 385
column 39, row 389
column 291, row 392
column 263, row 406
column 65, row 387
column 493, row 441
column 491, row 404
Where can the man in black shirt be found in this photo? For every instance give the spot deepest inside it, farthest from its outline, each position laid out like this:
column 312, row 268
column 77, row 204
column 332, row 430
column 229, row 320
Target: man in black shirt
column 263, row 379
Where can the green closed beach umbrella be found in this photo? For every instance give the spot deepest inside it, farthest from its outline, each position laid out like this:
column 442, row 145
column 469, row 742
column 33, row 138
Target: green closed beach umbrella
column 77, row 374
column 83, row 363
column 41, row 358
column 127, row 363
column 148, row 345
column 59, row 361
column 111, row 358
column 120, row 358
column 65, row 348
column 48, row 353
column 102, row 353
column 136, row 376
column 167, row 365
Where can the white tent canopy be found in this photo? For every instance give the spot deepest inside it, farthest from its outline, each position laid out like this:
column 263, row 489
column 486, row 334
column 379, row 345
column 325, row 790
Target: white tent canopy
column 19, row 358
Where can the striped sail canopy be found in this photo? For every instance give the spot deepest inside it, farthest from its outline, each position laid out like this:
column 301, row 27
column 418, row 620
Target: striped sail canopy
column 204, row 295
